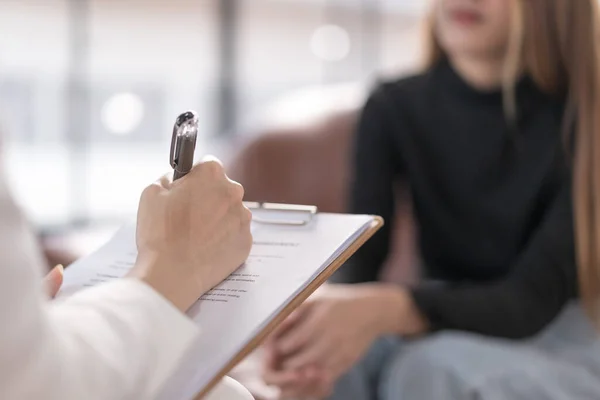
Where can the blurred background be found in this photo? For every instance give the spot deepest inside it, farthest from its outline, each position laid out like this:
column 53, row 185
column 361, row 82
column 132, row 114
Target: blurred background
column 89, row 89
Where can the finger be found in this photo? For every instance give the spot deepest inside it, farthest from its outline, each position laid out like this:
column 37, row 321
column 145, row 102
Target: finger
column 335, row 369
column 269, row 358
column 308, row 387
column 319, row 385
column 316, row 352
column 210, row 168
column 324, row 389
column 53, row 280
column 211, row 158
column 232, row 181
column 271, row 352
column 271, row 361
column 313, row 372
column 292, row 393
column 287, row 324
column 237, row 195
column 282, row 378
column 166, row 180
column 298, row 388
column 303, row 332
column 314, row 391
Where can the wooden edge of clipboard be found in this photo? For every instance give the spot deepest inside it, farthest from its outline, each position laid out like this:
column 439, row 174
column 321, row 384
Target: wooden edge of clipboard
column 295, row 303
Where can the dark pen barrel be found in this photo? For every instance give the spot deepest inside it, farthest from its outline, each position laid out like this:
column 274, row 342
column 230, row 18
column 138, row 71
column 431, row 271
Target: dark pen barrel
column 185, row 157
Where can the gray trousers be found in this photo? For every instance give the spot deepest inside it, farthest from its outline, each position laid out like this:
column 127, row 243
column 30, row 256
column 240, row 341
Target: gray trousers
column 561, row 363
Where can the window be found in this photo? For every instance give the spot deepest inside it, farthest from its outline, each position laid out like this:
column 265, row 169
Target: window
column 89, row 89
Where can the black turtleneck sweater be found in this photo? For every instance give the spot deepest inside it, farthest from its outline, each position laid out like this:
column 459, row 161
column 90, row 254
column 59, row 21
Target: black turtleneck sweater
column 492, row 200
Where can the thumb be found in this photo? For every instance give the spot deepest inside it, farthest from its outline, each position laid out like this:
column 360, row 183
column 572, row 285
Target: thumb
column 54, row 280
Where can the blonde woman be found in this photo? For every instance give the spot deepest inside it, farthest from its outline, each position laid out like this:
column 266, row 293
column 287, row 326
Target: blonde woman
column 499, row 139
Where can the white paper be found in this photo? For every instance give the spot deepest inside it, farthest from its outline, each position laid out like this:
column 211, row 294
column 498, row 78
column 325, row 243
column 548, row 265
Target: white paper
column 283, row 262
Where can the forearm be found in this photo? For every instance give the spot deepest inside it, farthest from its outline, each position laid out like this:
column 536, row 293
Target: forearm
column 509, row 308
column 396, row 312
column 502, row 309
column 542, row 279
column 118, row 340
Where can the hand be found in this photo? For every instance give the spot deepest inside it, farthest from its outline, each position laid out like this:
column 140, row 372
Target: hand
column 333, row 331
column 53, row 280
column 191, row 233
column 323, row 339
column 306, row 382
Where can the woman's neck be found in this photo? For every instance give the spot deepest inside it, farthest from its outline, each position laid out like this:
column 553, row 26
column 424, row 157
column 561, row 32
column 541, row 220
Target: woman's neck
column 480, row 72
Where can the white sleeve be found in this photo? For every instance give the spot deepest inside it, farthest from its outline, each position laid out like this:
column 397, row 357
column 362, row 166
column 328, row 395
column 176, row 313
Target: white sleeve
column 116, row 341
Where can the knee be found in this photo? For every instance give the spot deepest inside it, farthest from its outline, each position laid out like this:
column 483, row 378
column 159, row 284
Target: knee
column 429, row 368
column 440, row 350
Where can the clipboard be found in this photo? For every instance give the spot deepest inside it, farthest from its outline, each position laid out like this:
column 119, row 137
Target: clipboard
column 307, row 213
column 304, row 214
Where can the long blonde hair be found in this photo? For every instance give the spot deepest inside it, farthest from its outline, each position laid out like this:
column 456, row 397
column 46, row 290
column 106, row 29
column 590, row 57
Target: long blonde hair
column 556, row 42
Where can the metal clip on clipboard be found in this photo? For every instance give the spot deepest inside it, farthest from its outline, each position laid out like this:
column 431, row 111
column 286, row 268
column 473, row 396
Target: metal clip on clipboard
column 306, row 213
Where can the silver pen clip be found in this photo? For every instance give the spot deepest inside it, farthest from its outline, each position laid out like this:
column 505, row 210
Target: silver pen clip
column 183, row 144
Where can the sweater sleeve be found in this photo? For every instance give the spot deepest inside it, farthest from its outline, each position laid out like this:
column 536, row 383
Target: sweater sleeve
column 374, row 166
column 541, row 281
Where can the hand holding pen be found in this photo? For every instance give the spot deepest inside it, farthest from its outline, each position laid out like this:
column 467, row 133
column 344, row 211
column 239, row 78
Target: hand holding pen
column 192, row 235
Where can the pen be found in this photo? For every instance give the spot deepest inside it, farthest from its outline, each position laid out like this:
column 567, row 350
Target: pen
column 183, row 144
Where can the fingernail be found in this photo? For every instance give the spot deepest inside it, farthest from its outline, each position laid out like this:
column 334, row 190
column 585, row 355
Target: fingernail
column 60, row 269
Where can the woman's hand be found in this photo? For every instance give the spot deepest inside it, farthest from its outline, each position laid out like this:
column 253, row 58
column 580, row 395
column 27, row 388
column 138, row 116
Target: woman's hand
column 329, row 334
column 191, row 233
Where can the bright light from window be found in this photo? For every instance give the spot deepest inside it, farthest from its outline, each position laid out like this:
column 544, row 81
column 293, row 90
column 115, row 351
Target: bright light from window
column 122, row 113
column 330, row 43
